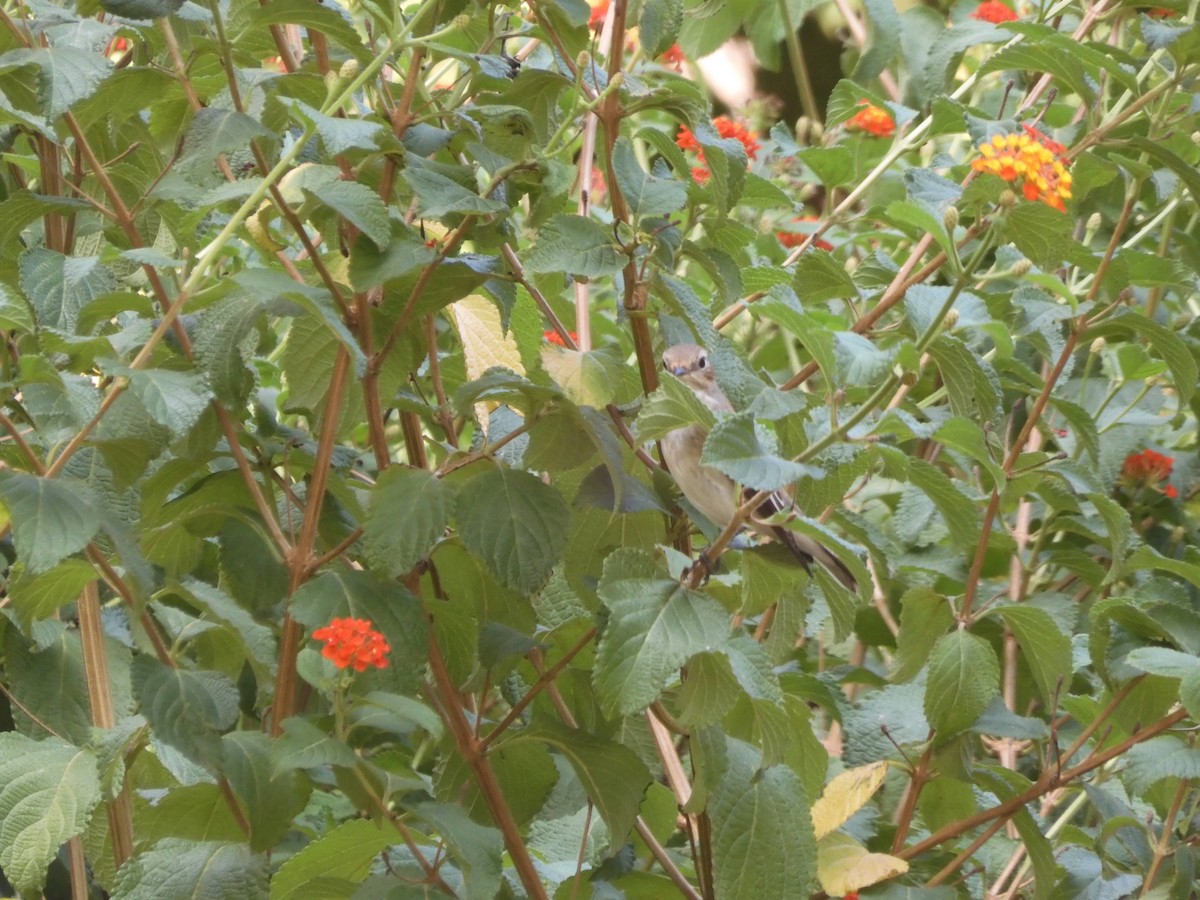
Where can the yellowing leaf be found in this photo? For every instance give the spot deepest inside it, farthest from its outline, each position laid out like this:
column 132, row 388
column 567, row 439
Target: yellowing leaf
column 845, row 865
column 846, row 795
column 485, row 343
column 582, row 376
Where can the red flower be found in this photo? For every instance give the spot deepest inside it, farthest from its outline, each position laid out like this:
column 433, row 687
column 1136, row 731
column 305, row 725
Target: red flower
column 1161, row 12
column 791, row 239
column 554, row 337
column 673, row 57
column 726, row 128
column 995, row 12
column 701, row 174
column 599, row 11
column 1032, row 162
column 873, row 120
column 353, row 642
column 1149, row 469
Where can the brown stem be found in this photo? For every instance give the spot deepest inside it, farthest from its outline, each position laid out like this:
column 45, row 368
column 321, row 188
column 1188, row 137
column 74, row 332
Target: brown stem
column 1162, row 847
column 485, row 777
column 908, row 807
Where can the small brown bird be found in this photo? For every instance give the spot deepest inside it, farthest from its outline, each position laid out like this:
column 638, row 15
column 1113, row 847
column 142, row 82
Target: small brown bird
column 713, row 492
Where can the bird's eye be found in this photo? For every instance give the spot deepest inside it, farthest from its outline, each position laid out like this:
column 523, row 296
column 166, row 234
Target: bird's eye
column 703, row 361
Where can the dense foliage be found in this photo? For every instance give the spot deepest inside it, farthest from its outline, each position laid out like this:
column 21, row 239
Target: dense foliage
column 339, row 560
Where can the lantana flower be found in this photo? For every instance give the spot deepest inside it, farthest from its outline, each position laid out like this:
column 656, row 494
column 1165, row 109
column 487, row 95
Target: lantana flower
column 1149, row 469
column 792, row 239
column 353, row 643
column 995, row 12
column 673, row 57
column 726, row 128
column 599, row 11
column 874, row 120
column 1030, row 161
column 553, row 337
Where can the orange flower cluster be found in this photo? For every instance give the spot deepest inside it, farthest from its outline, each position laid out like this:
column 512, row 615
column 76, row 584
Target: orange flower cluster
column 353, row 643
column 674, row 57
column 1032, row 161
column 873, row 120
column 726, row 128
column 1149, row 469
column 553, row 337
column 792, row 239
column 995, row 12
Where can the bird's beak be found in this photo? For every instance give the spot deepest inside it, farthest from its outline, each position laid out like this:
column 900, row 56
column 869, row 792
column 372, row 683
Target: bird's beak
column 679, row 371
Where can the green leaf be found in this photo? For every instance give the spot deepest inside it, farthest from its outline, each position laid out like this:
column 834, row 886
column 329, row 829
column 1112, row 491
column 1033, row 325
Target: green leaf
column 212, row 132
column 1165, row 756
column 358, row 204
column 748, row 453
column 883, row 39
column 1046, row 650
column 659, row 24
column 476, row 848
column 51, row 517
column 575, row 245
column 175, row 869
column 346, row 852
column 60, row 286
column 440, row 195
column 15, row 313
column 142, row 9
column 647, row 195
column 612, row 775
column 925, row 616
column 271, row 799
column 964, row 676
column 330, row 20
column 673, row 405
column 186, row 708
column 174, row 399
column 67, row 74
column 305, row 746
column 1006, row 784
column 516, row 524
column 1044, row 57
column 1040, row 233
column 39, row 596
column 1166, row 342
column 340, row 134
column 407, row 514
column 256, row 640
column 762, row 834
column 655, row 627
column 48, row 790
column 1163, row 661
column 1189, row 693
column 589, row 378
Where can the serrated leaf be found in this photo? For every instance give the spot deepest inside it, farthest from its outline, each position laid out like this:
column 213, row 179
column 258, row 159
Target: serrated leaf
column 175, row 869
column 516, row 524
column 256, row 640
column 174, row 399
column 612, row 775
column 1163, row 661
column 586, row 378
column 68, row 75
column 51, row 517
column 48, row 790
column 214, row 131
column 1165, row 341
column 440, row 195
column 762, row 838
column 575, row 245
column 39, row 596
column 357, row 204
column 15, row 313
column 60, row 286
column 271, row 799
column 659, row 24
column 476, row 848
column 646, row 194
column 746, row 452
column 1046, row 650
column 142, row 9
column 340, row 134
column 346, row 852
column 656, row 626
column 845, row 795
column 673, row 405
column 964, row 676
column 845, row 866
column 406, row 516
column 925, row 616
column 1165, row 756
column 305, row 746
column 186, row 708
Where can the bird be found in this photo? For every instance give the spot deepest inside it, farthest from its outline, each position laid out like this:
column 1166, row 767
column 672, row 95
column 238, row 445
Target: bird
column 712, row 492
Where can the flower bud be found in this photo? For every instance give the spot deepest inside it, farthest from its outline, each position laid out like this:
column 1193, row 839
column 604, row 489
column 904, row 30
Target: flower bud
column 1097, row 345
column 1008, row 199
column 1094, row 221
column 951, row 318
column 461, row 21
column 950, row 218
column 349, row 70
column 1021, row 267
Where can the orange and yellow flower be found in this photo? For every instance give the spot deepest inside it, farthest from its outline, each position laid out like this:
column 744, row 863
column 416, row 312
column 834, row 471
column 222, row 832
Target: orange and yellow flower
column 874, row 120
column 353, row 643
column 995, row 12
column 1030, row 161
column 1149, row 469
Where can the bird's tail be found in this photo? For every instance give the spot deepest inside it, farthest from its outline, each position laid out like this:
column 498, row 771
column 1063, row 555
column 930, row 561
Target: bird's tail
column 808, row 551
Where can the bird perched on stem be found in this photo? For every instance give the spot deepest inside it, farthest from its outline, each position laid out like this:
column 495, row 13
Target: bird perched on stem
column 711, row 491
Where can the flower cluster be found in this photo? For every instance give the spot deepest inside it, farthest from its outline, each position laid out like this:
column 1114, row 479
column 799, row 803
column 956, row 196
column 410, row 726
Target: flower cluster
column 873, row 120
column 792, row 239
column 1149, row 469
column 726, row 128
column 553, row 337
column 673, row 57
column 995, row 12
column 353, row 643
column 1031, row 161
